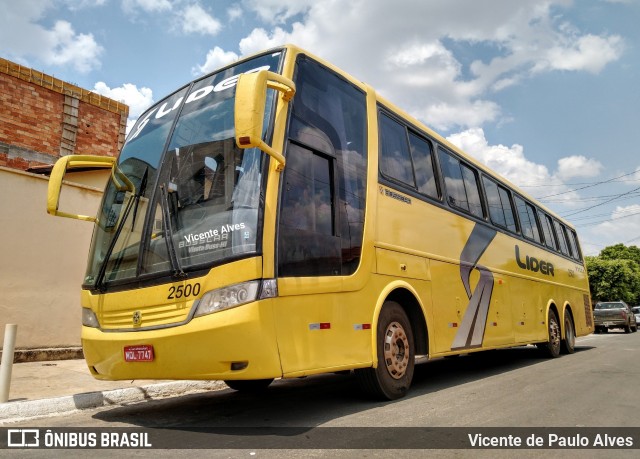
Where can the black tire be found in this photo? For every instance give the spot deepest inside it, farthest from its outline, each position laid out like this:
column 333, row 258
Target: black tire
column 396, row 356
column 552, row 347
column 249, row 385
column 627, row 328
column 568, row 344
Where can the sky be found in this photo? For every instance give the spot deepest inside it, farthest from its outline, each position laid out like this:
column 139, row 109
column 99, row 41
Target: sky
column 545, row 92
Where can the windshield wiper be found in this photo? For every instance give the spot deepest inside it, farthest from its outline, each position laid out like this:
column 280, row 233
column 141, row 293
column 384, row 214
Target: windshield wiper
column 138, row 195
column 99, row 284
column 168, row 233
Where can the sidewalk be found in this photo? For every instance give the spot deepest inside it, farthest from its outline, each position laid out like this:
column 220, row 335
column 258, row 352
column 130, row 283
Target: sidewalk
column 57, row 386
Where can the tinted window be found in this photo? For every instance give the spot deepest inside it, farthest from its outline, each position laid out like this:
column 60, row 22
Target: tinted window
column 575, row 248
column 423, row 166
column 528, row 220
column 547, row 230
column 500, row 208
column 461, row 184
column 324, row 189
column 395, row 159
column 562, row 241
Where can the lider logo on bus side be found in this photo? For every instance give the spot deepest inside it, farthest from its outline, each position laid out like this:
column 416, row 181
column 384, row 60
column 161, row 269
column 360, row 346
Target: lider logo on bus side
column 534, row 265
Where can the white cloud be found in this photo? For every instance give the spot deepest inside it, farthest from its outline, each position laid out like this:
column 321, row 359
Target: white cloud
column 260, row 39
column 22, row 38
column 468, row 113
column 74, row 5
column 624, row 226
column 216, row 58
column 278, row 11
column 138, row 100
column 510, row 162
column 148, row 6
column 68, row 48
column 589, row 53
column 578, row 167
column 234, row 12
column 400, row 51
column 196, row 20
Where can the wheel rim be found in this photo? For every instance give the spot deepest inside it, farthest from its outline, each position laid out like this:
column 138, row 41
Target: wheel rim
column 554, row 333
column 396, row 350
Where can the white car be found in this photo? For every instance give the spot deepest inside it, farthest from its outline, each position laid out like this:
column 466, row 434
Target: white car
column 636, row 312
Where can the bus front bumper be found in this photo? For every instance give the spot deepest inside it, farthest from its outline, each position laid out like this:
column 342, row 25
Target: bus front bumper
column 238, row 343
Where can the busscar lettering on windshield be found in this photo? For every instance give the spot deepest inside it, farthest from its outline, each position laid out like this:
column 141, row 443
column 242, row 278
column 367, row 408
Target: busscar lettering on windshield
column 164, row 109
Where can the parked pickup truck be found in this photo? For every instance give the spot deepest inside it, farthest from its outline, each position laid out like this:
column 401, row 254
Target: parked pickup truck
column 614, row 314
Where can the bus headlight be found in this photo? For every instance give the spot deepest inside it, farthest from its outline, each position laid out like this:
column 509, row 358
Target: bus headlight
column 89, row 318
column 227, row 297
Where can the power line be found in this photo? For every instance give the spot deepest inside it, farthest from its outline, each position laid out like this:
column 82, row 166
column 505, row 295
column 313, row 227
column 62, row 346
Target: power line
column 604, row 214
column 590, row 198
column 607, row 220
column 602, row 203
column 588, row 186
column 547, row 183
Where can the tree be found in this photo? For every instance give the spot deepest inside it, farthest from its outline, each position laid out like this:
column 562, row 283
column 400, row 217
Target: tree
column 621, row 252
column 614, row 279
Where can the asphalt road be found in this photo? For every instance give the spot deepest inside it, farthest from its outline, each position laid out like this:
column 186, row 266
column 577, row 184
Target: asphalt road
column 514, row 388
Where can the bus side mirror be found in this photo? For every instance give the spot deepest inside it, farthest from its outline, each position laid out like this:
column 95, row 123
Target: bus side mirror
column 75, row 162
column 251, row 99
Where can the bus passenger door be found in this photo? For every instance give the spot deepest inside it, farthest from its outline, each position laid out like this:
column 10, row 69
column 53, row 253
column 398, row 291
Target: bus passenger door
column 315, row 326
column 320, row 323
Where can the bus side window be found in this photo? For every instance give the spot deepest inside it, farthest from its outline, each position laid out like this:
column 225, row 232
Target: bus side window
column 573, row 242
column 321, row 223
column 395, row 159
column 547, row 231
column 562, row 242
column 500, row 207
column 528, row 219
column 421, row 153
column 461, row 185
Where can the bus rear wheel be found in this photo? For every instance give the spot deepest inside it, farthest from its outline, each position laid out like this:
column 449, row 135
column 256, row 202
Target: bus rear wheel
column 552, row 347
column 568, row 345
column 249, row 385
column 396, row 356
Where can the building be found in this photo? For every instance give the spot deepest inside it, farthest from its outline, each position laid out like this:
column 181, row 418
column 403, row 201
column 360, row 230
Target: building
column 43, row 118
column 43, row 258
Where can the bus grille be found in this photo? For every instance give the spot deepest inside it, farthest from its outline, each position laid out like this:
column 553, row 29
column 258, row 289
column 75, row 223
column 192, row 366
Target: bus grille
column 144, row 317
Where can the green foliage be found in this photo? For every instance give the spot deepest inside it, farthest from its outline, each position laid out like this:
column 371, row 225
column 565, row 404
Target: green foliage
column 615, row 274
column 621, row 252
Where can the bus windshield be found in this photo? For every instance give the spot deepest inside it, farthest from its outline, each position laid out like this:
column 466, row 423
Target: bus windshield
column 183, row 196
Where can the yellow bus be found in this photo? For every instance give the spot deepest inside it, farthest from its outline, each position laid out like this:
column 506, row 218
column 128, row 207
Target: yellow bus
column 278, row 218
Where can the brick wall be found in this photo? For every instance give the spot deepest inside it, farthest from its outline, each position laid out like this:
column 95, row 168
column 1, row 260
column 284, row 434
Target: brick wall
column 43, row 118
column 97, row 131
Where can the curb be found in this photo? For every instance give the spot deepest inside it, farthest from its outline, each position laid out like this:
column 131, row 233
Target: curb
column 25, row 410
column 47, row 354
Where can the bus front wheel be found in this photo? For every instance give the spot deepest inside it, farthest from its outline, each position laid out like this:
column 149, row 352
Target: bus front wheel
column 396, row 356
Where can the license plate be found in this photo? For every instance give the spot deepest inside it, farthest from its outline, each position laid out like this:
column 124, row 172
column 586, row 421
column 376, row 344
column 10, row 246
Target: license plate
column 140, row 353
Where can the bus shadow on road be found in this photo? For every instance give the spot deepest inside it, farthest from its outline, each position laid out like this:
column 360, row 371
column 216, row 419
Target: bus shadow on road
column 443, row 373
column 316, row 400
